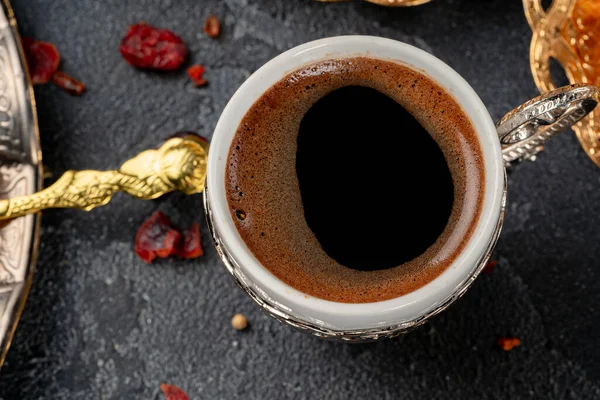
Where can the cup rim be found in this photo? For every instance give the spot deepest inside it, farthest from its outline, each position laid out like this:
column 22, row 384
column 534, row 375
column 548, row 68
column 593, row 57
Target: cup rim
column 398, row 311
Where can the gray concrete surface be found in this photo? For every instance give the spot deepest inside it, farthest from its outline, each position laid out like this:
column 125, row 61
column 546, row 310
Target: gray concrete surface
column 100, row 324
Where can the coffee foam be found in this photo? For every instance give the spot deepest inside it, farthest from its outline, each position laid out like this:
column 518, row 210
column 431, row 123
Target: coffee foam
column 261, row 179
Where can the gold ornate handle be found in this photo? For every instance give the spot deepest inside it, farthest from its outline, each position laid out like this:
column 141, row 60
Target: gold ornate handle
column 179, row 164
column 567, row 31
column 387, row 3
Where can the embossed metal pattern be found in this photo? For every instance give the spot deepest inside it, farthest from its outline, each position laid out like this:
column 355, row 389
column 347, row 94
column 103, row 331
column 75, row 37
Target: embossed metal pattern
column 568, row 31
column 524, row 130
column 284, row 315
column 20, row 174
column 387, row 3
column 179, row 164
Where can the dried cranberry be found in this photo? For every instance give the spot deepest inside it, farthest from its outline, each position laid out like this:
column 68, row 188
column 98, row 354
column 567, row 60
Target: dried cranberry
column 508, row 343
column 190, row 245
column 172, row 392
column 489, row 267
column 196, row 74
column 212, row 27
column 156, row 238
column 145, row 46
column 43, row 59
column 68, row 84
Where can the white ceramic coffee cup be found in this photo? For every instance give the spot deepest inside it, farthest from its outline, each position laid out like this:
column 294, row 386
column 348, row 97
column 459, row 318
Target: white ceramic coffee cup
column 378, row 319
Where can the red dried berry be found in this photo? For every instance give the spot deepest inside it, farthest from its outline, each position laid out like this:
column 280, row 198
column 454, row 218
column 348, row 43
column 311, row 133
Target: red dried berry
column 489, row 267
column 508, row 343
column 145, row 46
column 43, row 60
column 196, row 74
column 172, row 392
column 156, row 238
column 68, row 84
column 190, row 245
column 212, row 27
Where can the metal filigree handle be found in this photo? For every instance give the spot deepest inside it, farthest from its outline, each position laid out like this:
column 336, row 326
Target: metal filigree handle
column 179, row 164
column 524, row 130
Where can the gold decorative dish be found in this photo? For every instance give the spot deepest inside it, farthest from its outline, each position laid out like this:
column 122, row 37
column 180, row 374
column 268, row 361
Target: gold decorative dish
column 387, row 3
column 569, row 32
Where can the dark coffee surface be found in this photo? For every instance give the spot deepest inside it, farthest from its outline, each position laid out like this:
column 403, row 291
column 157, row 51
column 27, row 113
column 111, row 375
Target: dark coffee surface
column 262, row 183
column 99, row 323
column 365, row 164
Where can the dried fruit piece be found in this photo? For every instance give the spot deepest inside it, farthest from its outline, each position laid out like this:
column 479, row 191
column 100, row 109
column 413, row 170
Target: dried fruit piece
column 156, row 238
column 43, row 60
column 239, row 322
column 190, row 245
column 508, row 343
column 68, row 84
column 196, row 74
column 212, row 27
column 172, row 392
column 145, row 46
column 489, row 267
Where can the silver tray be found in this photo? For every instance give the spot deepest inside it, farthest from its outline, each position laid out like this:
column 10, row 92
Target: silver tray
column 20, row 174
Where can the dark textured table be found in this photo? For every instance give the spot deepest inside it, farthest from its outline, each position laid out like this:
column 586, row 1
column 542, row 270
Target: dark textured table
column 100, row 324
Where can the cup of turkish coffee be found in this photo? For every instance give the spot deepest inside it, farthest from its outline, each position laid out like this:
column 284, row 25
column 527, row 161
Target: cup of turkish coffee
column 356, row 185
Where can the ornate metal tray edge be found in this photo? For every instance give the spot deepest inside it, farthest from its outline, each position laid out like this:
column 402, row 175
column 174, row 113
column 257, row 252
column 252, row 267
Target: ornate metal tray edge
column 20, row 173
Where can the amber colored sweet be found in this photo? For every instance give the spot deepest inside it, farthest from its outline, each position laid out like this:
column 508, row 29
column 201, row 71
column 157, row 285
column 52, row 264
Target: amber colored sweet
column 569, row 32
column 582, row 32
